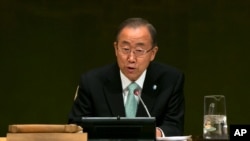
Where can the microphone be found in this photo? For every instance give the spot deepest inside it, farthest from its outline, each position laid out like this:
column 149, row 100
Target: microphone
column 137, row 93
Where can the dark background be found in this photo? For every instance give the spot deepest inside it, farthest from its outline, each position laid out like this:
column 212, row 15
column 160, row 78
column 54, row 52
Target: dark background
column 45, row 46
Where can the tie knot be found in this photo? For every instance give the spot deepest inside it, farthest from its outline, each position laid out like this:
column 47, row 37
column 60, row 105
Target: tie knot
column 132, row 86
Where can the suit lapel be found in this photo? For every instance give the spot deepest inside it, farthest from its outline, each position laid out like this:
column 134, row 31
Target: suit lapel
column 149, row 93
column 113, row 92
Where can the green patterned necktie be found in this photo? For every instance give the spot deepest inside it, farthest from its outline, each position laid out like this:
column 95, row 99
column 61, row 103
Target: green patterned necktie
column 131, row 103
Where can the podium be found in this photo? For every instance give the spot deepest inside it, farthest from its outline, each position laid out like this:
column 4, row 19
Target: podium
column 45, row 132
column 46, row 137
column 2, row 138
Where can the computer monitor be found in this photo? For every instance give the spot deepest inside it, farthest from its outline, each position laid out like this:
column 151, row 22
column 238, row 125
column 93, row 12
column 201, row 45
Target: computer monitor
column 119, row 127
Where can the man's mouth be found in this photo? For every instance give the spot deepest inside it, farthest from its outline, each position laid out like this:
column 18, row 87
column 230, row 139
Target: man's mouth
column 130, row 69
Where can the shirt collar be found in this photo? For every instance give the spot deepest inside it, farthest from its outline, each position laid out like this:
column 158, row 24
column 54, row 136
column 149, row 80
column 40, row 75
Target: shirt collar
column 126, row 81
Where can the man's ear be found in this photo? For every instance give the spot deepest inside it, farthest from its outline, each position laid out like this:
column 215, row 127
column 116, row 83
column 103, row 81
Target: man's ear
column 154, row 52
column 115, row 44
column 115, row 47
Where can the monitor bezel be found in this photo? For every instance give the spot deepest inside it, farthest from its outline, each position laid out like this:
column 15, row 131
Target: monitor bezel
column 119, row 127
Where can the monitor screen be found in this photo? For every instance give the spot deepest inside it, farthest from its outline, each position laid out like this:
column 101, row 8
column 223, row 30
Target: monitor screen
column 119, row 127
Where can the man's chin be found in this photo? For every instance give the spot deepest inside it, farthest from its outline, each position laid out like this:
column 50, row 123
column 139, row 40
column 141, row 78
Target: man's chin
column 132, row 77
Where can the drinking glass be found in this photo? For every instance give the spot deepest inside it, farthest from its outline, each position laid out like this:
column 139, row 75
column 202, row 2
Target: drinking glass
column 215, row 118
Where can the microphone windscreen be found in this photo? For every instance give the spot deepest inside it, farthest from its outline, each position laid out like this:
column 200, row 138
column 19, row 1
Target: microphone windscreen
column 137, row 92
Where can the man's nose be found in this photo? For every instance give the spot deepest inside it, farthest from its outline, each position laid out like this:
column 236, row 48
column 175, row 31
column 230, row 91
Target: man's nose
column 131, row 56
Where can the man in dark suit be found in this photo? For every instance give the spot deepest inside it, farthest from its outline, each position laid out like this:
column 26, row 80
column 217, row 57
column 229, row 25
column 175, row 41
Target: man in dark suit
column 103, row 92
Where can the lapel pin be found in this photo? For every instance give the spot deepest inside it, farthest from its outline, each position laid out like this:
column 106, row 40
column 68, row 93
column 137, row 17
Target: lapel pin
column 154, row 87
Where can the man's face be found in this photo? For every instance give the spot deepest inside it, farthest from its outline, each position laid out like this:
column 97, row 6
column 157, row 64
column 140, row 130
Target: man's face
column 133, row 40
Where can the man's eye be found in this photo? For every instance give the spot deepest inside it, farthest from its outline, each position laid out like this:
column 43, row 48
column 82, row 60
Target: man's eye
column 125, row 49
column 139, row 50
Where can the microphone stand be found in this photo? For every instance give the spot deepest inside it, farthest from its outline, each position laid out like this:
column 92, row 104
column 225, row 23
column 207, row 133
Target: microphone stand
column 137, row 93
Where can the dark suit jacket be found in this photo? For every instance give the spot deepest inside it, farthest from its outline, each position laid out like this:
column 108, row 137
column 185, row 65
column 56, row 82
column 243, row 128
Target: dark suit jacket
column 100, row 95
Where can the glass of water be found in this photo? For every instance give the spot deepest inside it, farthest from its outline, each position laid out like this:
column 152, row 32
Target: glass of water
column 215, row 119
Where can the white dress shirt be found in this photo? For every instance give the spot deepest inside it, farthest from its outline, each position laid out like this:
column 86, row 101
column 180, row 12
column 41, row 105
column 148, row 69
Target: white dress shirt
column 125, row 83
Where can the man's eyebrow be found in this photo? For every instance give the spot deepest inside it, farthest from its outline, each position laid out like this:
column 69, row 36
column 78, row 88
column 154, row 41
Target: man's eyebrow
column 124, row 42
column 139, row 44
